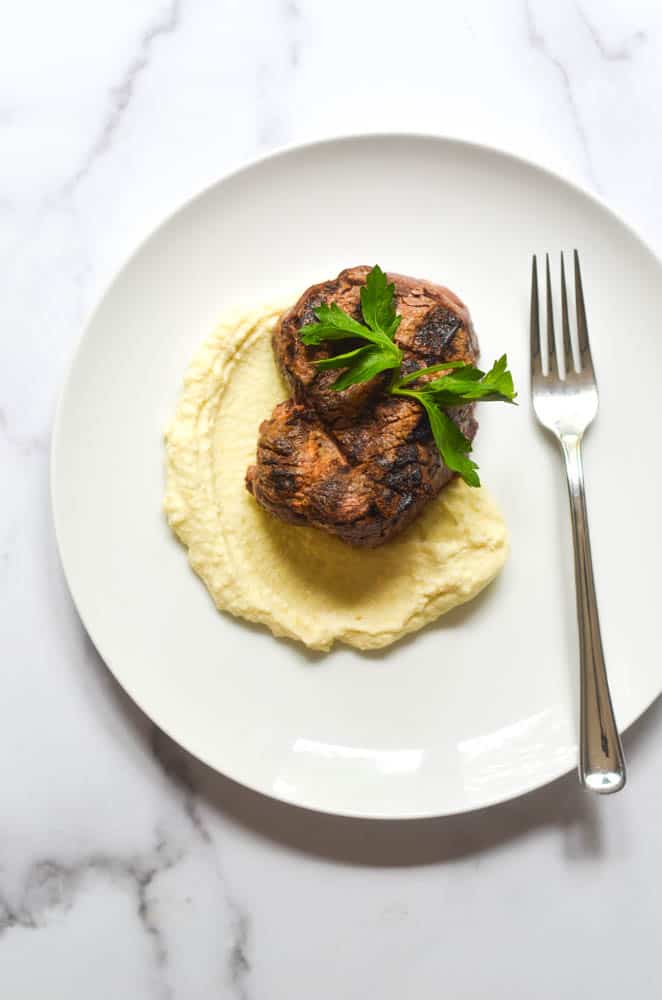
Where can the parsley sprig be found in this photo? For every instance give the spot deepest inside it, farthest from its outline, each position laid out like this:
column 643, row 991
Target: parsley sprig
column 378, row 329
column 460, row 383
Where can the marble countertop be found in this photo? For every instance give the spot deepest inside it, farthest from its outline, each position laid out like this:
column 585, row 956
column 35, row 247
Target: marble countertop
column 127, row 869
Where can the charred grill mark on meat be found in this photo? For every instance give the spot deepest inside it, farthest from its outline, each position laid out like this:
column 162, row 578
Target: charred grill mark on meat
column 359, row 464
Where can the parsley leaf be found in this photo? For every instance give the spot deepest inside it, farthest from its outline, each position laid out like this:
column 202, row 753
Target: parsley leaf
column 460, row 382
column 361, row 365
column 443, row 367
column 333, row 324
column 377, row 303
column 468, row 384
column 381, row 323
column 465, row 383
column 452, row 444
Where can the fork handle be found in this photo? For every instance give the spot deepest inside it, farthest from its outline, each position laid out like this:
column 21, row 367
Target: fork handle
column 601, row 761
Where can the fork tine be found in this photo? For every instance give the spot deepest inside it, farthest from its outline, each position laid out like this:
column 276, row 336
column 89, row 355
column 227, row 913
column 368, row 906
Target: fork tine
column 552, row 360
column 567, row 343
column 582, row 325
column 536, row 366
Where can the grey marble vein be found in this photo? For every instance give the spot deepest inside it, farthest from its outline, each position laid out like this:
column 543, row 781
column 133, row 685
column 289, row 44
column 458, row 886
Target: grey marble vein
column 25, row 445
column 613, row 53
column 122, row 94
column 239, row 965
column 176, row 765
column 14, row 916
column 537, row 41
column 144, row 876
column 274, row 76
column 292, row 17
column 51, row 885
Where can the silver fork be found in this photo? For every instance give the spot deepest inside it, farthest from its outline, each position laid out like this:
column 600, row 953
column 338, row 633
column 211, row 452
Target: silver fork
column 566, row 402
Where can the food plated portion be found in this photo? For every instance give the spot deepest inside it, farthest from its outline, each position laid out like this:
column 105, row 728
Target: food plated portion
column 370, row 521
column 359, row 463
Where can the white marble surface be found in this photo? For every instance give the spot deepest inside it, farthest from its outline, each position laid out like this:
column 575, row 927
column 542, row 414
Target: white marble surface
column 126, row 868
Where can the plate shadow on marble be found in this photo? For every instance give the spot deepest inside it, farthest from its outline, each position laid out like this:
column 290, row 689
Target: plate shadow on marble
column 206, row 795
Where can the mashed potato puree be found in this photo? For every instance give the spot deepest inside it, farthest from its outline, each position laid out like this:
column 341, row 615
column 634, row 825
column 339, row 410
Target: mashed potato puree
column 299, row 581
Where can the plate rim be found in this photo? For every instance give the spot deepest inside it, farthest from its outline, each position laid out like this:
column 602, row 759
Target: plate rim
column 247, row 164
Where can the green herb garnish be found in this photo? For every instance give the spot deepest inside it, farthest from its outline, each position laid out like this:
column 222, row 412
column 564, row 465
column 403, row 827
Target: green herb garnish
column 378, row 328
column 460, row 384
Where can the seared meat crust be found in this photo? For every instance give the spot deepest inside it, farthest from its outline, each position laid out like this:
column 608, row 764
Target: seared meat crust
column 359, row 463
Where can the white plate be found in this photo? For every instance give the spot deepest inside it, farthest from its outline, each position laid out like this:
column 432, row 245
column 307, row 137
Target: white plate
column 482, row 706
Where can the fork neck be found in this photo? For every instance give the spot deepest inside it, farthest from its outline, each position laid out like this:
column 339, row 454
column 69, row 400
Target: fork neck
column 572, row 452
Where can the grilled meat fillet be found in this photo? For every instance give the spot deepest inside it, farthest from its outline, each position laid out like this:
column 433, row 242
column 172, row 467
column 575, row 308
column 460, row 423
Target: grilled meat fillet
column 359, row 464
